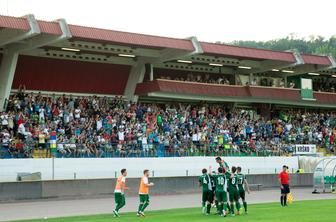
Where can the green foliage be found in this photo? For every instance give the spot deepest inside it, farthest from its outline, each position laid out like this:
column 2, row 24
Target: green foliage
column 311, row 45
column 303, row 211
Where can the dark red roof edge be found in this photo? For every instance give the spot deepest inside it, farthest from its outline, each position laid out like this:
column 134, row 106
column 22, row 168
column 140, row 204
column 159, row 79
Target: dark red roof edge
column 91, row 33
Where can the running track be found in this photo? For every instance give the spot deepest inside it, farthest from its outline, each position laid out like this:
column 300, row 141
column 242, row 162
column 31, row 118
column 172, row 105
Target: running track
column 61, row 208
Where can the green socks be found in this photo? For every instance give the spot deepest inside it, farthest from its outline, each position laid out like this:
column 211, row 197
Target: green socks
column 238, row 206
column 140, row 207
column 224, row 207
column 228, row 206
column 231, row 208
column 119, row 206
column 145, row 205
column 208, row 208
column 245, row 206
column 220, row 208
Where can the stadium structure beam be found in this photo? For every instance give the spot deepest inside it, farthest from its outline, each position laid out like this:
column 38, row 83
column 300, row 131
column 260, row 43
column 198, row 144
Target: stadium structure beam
column 12, row 50
column 306, row 69
column 314, row 68
column 7, row 70
column 7, row 36
column 197, row 97
column 269, row 65
column 174, row 54
column 137, row 72
column 42, row 39
column 10, row 58
column 332, row 61
column 135, row 76
column 93, row 47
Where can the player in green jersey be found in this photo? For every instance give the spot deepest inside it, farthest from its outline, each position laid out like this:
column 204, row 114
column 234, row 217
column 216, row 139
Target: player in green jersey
column 213, row 199
column 226, row 167
column 207, row 193
column 221, row 196
column 222, row 163
column 233, row 191
column 242, row 185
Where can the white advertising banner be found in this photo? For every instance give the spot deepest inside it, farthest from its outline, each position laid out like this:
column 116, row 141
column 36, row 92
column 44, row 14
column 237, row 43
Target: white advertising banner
column 93, row 168
column 305, row 149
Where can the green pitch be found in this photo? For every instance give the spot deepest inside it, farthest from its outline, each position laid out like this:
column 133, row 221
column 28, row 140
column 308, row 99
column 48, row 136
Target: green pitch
column 303, row 211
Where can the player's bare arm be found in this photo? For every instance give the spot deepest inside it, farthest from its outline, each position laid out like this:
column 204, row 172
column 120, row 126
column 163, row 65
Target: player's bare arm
column 247, row 187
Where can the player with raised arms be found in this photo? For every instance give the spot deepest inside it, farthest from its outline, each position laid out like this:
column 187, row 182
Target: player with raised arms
column 222, row 163
column 226, row 167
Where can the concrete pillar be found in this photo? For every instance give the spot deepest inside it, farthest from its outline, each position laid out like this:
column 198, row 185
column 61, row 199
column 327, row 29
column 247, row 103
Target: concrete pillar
column 16, row 45
column 286, row 81
column 7, row 71
column 136, row 76
column 151, row 73
column 251, row 78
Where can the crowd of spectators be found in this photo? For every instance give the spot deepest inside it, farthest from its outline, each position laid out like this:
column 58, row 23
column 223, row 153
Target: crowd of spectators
column 103, row 127
column 324, row 85
column 226, row 80
column 207, row 78
column 319, row 84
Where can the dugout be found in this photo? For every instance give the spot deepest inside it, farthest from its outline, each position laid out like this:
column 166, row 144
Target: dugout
column 325, row 175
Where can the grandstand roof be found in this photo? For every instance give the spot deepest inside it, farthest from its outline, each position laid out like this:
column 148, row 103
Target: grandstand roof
column 74, row 53
column 316, row 59
column 97, row 34
column 91, row 34
column 245, row 52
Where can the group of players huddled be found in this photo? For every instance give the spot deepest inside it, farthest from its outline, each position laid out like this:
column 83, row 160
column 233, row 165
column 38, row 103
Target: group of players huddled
column 217, row 186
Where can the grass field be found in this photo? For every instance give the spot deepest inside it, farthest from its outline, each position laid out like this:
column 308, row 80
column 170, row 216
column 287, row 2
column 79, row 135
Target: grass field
column 303, row 211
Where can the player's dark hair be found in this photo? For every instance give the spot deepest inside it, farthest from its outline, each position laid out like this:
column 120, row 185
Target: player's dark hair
column 204, row 171
column 146, row 171
column 234, row 169
column 220, row 170
column 239, row 169
column 218, row 158
column 284, row 166
column 123, row 171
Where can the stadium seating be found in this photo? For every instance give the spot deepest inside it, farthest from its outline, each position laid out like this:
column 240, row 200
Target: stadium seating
column 111, row 127
column 329, row 179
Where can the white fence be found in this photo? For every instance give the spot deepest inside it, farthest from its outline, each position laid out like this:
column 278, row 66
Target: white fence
column 92, row 168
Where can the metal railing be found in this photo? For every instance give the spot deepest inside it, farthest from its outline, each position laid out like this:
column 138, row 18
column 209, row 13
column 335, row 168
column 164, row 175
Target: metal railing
column 76, row 150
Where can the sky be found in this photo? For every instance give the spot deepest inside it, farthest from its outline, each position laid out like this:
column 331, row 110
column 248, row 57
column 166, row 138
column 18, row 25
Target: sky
column 208, row 20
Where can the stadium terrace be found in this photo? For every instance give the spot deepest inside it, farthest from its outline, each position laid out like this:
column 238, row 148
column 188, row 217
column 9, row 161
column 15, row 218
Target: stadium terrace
column 50, row 71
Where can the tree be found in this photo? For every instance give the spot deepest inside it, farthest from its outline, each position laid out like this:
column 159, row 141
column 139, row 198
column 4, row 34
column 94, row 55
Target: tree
column 311, row 45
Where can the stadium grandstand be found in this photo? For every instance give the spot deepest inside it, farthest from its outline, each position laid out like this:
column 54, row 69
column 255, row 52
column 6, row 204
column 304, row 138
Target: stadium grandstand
column 74, row 91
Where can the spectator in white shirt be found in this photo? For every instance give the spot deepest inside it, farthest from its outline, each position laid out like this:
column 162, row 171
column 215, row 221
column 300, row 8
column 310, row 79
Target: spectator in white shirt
column 4, row 120
column 77, row 113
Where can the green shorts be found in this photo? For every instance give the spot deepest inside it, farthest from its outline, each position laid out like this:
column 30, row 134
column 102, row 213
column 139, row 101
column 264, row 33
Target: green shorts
column 119, row 198
column 242, row 194
column 207, row 196
column 144, row 198
column 233, row 195
column 221, row 196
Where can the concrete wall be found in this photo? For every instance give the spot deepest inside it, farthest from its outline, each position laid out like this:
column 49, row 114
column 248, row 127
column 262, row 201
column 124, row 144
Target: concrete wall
column 95, row 168
column 98, row 187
